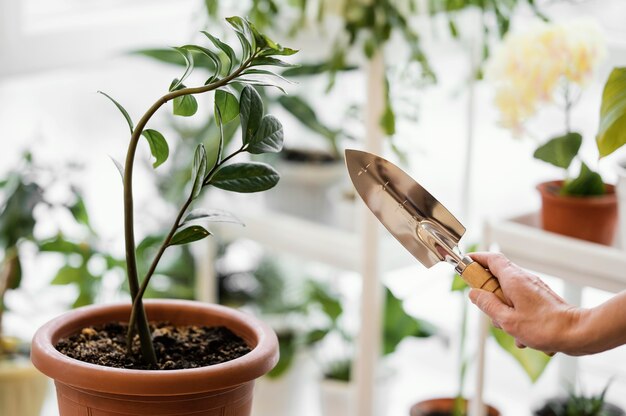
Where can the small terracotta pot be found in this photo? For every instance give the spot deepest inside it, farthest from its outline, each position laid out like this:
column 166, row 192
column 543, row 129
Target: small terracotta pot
column 587, row 218
column 442, row 406
column 22, row 388
column 223, row 389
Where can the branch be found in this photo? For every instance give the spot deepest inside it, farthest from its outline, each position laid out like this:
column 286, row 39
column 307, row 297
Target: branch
column 129, row 232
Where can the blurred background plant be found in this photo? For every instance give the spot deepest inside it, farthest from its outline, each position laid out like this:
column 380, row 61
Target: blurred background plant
column 550, row 65
column 32, row 192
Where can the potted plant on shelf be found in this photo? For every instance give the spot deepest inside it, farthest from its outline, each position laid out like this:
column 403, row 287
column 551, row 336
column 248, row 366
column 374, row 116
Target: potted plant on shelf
column 533, row 362
column 188, row 357
column 336, row 353
column 580, row 405
column 563, row 60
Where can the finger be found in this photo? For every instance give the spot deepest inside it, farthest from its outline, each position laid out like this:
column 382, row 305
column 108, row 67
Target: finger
column 520, row 345
column 495, row 324
column 490, row 304
column 498, row 265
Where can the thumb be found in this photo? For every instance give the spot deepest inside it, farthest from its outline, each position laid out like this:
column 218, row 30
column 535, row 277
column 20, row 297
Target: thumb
column 489, row 303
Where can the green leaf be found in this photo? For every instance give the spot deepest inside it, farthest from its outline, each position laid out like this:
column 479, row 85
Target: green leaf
column 305, row 114
column 269, row 75
column 228, row 51
column 560, row 151
column 588, row 183
column 210, row 55
column 532, row 361
column 171, row 56
column 458, row 284
column 268, row 138
column 287, row 349
column 212, row 215
column 397, row 324
column 189, row 235
column 269, row 61
column 279, row 51
column 226, row 101
column 612, row 132
column 13, row 268
column 330, row 304
column 60, row 245
column 185, row 105
column 245, row 177
column 85, row 297
column 79, row 211
column 250, row 113
column 242, row 30
column 315, row 336
column 316, row 69
column 188, row 57
column 119, row 166
column 259, row 83
column 158, row 146
column 67, row 275
column 122, row 110
column 199, row 170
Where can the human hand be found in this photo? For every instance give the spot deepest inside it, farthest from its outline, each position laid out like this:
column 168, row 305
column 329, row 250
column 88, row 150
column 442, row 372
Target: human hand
column 537, row 317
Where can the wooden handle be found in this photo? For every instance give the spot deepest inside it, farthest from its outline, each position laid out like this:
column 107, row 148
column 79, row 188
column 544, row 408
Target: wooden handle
column 478, row 277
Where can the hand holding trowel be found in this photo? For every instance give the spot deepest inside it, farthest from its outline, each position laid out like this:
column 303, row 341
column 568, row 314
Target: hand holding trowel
column 415, row 218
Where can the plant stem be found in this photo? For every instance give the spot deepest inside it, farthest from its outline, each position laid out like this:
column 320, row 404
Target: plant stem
column 143, row 328
column 568, row 107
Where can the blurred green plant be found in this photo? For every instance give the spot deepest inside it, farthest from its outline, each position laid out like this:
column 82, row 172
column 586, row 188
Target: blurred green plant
column 533, row 362
column 23, row 205
column 368, row 27
column 307, row 314
column 397, row 325
column 580, row 404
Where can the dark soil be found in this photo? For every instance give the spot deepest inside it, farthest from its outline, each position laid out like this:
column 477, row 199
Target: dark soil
column 177, row 347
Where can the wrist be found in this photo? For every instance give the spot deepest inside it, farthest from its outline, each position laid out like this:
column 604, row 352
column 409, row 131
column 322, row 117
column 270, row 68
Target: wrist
column 580, row 333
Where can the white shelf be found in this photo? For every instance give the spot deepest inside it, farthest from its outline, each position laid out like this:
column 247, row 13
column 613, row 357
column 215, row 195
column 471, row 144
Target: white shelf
column 573, row 260
column 313, row 241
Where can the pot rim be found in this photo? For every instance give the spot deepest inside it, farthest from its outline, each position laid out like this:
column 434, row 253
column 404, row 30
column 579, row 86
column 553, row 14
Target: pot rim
column 606, row 199
column 261, row 359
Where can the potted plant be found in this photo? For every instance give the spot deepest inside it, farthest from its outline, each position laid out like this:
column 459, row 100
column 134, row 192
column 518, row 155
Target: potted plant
column 335, row 356
column 579, row 404
column 533, row 362
column 563, row 60
column 187, row 357
column 299, row 309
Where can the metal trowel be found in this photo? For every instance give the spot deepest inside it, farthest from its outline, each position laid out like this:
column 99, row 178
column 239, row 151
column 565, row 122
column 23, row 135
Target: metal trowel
column 415, row 218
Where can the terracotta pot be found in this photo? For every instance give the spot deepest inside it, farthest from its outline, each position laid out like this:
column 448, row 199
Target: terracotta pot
column 22, row 388
column 587, row 218
column 223, row 389
column 442, row 406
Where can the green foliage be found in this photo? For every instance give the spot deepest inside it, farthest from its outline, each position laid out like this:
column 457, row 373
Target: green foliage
column 122, row 110
column 158, row 146
column 245, row 177
column 398, row 325
column 227, row 103
column 287, row 349
column 251, row 113
column 560, row 151
column 612, row 132
column 189, row 235
column 340, row 370
column 260, row 134
column 185, row 106
column 532, row 361
column 587, row 183
column 579, row 404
